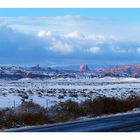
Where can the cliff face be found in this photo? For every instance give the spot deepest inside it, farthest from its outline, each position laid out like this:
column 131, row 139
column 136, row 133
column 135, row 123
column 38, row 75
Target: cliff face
column 14, row 73
column 132, row 71
column 84, row 68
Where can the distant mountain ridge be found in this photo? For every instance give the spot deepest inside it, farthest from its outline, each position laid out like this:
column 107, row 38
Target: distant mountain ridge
column 37, row 72
column 129, row 70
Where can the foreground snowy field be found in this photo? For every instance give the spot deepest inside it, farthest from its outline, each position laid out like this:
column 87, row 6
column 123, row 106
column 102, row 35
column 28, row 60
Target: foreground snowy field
column 49, row 92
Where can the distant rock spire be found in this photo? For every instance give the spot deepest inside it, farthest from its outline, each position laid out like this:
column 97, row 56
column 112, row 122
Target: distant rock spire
column 84, row 67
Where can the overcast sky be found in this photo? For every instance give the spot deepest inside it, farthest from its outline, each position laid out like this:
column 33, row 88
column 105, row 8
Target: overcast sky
column 69, row 36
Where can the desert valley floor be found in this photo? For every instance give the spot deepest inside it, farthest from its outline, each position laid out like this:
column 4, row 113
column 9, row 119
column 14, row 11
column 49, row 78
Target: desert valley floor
column 49, row 92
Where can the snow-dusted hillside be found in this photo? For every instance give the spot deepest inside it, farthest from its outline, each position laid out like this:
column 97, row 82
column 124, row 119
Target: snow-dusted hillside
column 50, row 92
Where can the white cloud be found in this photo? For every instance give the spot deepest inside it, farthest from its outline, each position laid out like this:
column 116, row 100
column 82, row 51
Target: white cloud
column 115, row 49
column 94, row 50
column 65, row 24
column 61, row 47
column 73, row 35
column 138, row 50
column 68, row 23
column 41, row 34
column 30, row 48
column 44, row 33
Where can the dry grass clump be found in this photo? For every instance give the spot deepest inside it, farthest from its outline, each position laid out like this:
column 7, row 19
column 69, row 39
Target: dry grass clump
column 29, row 113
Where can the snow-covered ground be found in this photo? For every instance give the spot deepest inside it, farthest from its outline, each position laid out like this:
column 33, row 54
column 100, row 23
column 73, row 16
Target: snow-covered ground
column 49, row 92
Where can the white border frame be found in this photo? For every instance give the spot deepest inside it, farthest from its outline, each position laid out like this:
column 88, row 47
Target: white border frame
column 69, row 3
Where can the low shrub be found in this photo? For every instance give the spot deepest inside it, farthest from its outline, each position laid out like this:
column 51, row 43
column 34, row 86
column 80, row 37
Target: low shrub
column 103, row 105
column 107, row 105
column 29, row 113
column 65, row 111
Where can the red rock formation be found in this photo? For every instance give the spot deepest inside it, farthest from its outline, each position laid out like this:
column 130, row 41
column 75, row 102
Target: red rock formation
column 84, row 67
